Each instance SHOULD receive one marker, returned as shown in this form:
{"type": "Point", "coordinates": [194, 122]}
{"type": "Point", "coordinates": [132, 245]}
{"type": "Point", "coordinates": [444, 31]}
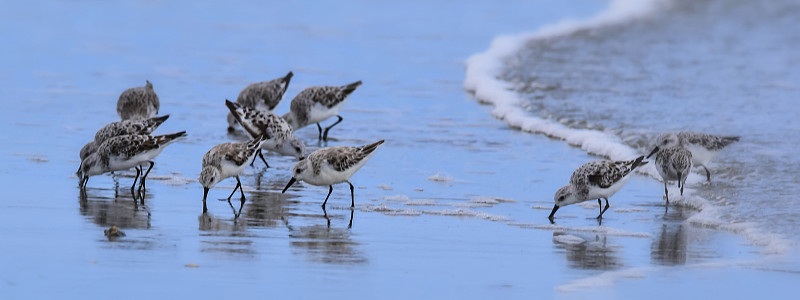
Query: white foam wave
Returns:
{"type": "Point", "coordinates": [483, 69]}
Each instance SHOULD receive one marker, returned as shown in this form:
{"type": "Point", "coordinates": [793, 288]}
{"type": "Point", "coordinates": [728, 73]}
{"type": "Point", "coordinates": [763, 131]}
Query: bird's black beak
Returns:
{"type": "Point", "coordinates": [291, 181]}
{"type": "Point", "coordinates": [552, 213]}
{"type": "Point", "coordinates": [653, 152]}
{"type": "Point", "coordinates": [205, 194]}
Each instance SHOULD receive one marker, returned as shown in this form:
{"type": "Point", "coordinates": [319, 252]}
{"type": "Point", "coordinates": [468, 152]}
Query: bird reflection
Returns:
{"type": "Point", "coordinates": [594, 253]}
{"type": "Point", "coordinates": [670, 247]}
{"type": "Point", "coordinates": [265, 209]}
{"type": "Point", "coordinates": [326, 244]}
{"type": "Point", "coordinates": [122, 211]}
{"type": "Point", "coordinates": [228, 236]}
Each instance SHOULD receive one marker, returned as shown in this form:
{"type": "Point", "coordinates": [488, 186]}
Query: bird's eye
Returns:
{"type": "Point", "coordinates": [561, 198]}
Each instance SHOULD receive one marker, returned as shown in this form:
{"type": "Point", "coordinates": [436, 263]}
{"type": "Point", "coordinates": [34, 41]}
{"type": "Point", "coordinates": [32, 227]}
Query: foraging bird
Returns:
{"type": "Point", "coordinates": [595, 180]}
{"type": "Point", "coordinates": [139, 126]}
{"type": "Point", "coordinates": [228, 160]}
{"type": "Point", "coordinates": [673, 164]}
{"type": "Point", "coordinates": [138, 103]}
{"type": "Point", "coordinates": [125, 152]}
{"type": "Point", "coordinates": [281, 138]}
{"type": "Point", "coordinates": [264, 95]}
{"type": "Point", "coordinates": [332, 165]}
{"type": "Point", "coordinates": [704, 147]}
{"type": "Point", "coordinates": [318, 103]}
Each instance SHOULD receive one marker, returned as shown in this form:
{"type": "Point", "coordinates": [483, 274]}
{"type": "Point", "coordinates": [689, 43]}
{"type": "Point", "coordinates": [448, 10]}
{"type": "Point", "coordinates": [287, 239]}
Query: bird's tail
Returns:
{"type": "Point", "coordinates": [235, 108]}
{"type": "Point", "coordinates": [157, 121]}
{"type": "Point", "coordinates": [169, 138]}
{"type": "Point", "coordinates": [286, 80]}
{"type": "Point", "coordinates": [638, 162]}
{"type": "Point", "coordinates": [367, 149]}
{"type": "Point", "coordinates": [727, 140]}
{"type": "Point", "coordinates": [350, 88]}
{"type": "Point", "coordinates": [288, 77]}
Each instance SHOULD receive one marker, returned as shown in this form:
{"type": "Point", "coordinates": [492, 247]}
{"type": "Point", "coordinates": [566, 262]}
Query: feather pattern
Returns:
{"type": "Point", "coordinates": [138, 103]}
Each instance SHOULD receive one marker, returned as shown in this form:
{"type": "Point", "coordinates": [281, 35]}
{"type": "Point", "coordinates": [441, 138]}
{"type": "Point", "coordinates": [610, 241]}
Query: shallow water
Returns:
{"type": "Point", "coordinates": [713, 66]}
{"type": "Point", "coordinates": [479, 231]}
{"type": "Point", "coordinates": [610, 84]}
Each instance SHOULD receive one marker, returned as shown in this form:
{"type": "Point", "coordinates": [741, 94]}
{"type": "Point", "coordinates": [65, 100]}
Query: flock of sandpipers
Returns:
{"type": "Point", "coordinates": [676, 153]}
{"type": "Point", "coordinates": [128, 143]}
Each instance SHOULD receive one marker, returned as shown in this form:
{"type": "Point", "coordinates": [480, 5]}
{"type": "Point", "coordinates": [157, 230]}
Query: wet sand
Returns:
{"type": "Point", "coordinates": [454, 204]}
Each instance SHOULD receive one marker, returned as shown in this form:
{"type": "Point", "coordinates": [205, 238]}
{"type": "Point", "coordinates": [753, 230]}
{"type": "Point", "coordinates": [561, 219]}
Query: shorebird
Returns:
{"type": "Point", "coordinates": [595, 180]}
{"type": "Point", "coordinates": [318, 103]}
{"type": "Point", "coordinates": [138, 103]}
{"type": "Point", "coordinates": [673, 164]}
{"type": "Point", "coordinates": [125, 152]}
{"type": "Point", "coordinates": [281, 138]}
{"type": "Point", "coordinates": [141, 126]}
{"type": "Point", "coordinates": [704, 147]}
{"type": "Point", "coordinates": [228, 160]}
{"type": "Point", "coordinates": [332, 165]}
{"type": "Point", "coordinates": [264, 95]}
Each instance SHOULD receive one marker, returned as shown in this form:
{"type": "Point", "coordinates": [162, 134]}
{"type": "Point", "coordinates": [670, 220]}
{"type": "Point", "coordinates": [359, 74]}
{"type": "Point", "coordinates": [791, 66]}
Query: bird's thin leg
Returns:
{"type": "Point", "coordinates": [238, 184]}
{"type": "Point", "coordinates": [683, 184]}
{"type": "Point", "coordinates": [708, 174]}
{"type": "Point", "coordinates": [241, 188]}
{"type": "Point", "coordinates": [325, 214]}
{"type": "Point", "coordinates": [84, 181]}
{"type": "Point", "coordinates": [606, 208]}
{"type": "Point", "coordinates": [138, 171]}
{"type": "Point", "coordinates": [352, 196]}
{"type": "Point", "coordinates": [666, 192]}
{"type": "Point", "coordinates": [350, 225]}
{"type": "Point", "coordinates": [262, 158]}
{"type": "Point", "coordinates": [142, 184]}
{"type": "Point", "coordinates": [330, 190]}
{"type": "Point", "coordinates": [325, 135]}
{"type": "Point", "coordinates": [320, 131]}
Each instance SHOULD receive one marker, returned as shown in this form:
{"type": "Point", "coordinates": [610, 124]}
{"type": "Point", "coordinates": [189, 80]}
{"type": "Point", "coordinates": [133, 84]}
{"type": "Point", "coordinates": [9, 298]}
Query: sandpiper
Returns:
{"type": "Point", "coordinates": [138, 103]}
{"type": "Point", "coordinates": [596, 180]}
{"type": "Point", "coordinates": [332, 165]}
{"type": "Point", "coordinates": [704, 147]}
{"type": "Point", "coordinates": [281, 138]}
{"type": "Point", "coordinates": [228, 160]}
{"type": "Point", "coordinates": [125, 152]}
{"type": "Point", "coordinates": [673, 163]}
{"type": "Point", "coordinates": [264, 95]}
{"type": "Point", "coordinates": [318, 103]}
{"type": "Point", "coordinates": [140, 126]}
